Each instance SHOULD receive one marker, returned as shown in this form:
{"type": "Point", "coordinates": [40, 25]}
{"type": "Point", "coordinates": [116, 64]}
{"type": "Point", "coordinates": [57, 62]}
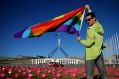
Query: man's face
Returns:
{"type": "Point", "coordinates": [90, 20]}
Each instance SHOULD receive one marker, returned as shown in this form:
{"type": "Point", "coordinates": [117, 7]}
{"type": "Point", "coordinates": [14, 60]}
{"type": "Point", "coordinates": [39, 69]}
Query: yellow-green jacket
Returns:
{"type": "Point", "coordinates": [94, 41]}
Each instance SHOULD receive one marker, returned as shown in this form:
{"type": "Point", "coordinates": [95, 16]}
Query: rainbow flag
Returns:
{"type": "Point", "coordinates": [70, 22]}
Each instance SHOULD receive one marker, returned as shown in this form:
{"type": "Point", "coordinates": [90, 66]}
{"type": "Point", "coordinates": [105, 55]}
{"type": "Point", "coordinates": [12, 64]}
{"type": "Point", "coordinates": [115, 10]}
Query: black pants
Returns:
{"type": "Point", "coordinates": [90, 64]}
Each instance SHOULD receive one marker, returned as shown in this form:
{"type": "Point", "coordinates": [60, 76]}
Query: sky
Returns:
{"type": "Point", "coordinates": [15, 15]}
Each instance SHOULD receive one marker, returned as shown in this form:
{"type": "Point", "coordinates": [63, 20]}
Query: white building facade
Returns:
{"type": "Point", "coordinates": [59, 60]}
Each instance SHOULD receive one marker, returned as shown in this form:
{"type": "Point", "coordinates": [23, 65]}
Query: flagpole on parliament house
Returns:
{"type": "Point", "coordinates": [58, 47]}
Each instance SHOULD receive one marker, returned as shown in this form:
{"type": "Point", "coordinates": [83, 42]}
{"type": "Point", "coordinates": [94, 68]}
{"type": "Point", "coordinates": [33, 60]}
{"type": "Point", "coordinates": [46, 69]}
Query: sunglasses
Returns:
{"type": "Point", "coordinates": [88, 19]}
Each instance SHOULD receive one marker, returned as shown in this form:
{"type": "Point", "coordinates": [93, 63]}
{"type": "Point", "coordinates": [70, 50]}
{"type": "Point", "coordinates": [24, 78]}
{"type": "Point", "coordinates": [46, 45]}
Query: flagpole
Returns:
{"type": "Point", "coordinates": [82, 21]}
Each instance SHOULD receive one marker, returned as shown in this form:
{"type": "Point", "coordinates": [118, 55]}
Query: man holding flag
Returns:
{"type": "Point", "coordinates": [94, 46]}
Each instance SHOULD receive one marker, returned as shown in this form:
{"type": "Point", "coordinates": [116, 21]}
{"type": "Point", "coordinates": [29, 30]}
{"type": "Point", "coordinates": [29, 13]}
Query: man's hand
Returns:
{"type": "Point", "coordinates": [78, 38]}
{"type": "Point", "coordinates": [87, 7]}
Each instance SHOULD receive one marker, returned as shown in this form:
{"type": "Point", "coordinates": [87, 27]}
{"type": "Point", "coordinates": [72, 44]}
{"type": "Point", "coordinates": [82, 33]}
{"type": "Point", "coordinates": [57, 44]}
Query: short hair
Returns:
{"type": "Point", "coordinates": [91, 14]}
